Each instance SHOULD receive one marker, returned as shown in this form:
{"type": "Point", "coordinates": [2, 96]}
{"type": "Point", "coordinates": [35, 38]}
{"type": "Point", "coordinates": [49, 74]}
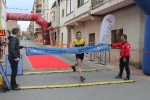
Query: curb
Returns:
{"type": "Point", "coordinates": [75, 85]}
{"type": "Point", "coordinates": [60, 71]}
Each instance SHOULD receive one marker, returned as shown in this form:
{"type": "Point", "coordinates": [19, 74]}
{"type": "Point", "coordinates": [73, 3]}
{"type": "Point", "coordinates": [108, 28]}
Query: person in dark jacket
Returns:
{"type": "Point", "coordinates": [124, 46]}
{"type": "Point", "coordinates": [14, 56]}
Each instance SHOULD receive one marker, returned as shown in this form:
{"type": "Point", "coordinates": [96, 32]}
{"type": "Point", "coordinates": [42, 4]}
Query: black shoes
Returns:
{"type": "Point", "coordinates": [127, 78]}
{"type": "Point", "coordinates": [73, 68]}
{"type": "Point", "coordinates": [15, 88]}
{"type": "Point", "coordinates": [17, 85]}
{"type": "Point", "coordinates": [82, 79]}
{"type": "Point", "coordinates": [3, 90]}
{"type": "Point", "coordinates": [118, 77]}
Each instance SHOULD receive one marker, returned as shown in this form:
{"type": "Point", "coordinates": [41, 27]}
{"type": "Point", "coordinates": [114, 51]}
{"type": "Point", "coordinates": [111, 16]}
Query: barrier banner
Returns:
{"type": "Point", "coordinates": [76, 50]}
{"type": "Point", "coordinates": [8, 67]}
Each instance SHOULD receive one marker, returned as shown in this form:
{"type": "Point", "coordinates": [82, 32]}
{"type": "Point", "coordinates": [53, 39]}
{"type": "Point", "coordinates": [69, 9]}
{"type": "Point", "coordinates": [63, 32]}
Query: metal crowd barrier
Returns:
{"type": "Point", "coordinates": [99, 57]}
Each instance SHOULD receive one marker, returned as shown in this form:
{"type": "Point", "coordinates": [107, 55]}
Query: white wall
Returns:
{"type": "Point", "coordinates": [49, 5]}
{"type": "Point", "coordinates": [56, 17]}
{"type": "Point", "coordinates": [62, 6]}
{"type": "Point", "coordinates": [131, 21]}
{"type": "Point", "coordinates": [78, 10]}
{"type": "Point", "coordinates": [89, 27]}
{"type": "Point", "coordinates": [63, 28]}
{"type": "Point", "coordinates": [64, 31]}
{"type": "Point", "coordinates": [46, 6]}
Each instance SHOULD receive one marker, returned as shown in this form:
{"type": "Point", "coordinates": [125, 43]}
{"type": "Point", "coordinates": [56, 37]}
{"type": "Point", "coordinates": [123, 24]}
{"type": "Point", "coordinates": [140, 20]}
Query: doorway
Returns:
{"type": "Point", "coordinates": [69, 35]}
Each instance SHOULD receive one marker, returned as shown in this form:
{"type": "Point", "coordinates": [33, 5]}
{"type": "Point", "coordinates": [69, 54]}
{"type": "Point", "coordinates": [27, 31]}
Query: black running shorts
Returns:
{"type": "Point", "coordinates": [80, 56]}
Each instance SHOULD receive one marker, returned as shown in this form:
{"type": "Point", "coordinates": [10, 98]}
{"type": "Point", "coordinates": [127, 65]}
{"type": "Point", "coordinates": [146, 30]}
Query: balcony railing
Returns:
{"type": "Point", "coordinates": [38, 29]}
{"type": "Point", "coordinates": [96, 2]}
{"type": "Point", "coordinates": [38, 11]}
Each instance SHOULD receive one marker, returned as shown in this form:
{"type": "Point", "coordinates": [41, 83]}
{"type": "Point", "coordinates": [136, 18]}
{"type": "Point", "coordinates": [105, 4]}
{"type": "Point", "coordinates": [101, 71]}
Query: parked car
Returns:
{"type": "Point", "coordinates": [28, 39]}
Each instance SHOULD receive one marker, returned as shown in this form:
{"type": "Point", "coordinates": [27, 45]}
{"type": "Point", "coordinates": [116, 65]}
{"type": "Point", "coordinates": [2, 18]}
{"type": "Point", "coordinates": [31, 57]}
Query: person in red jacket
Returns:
{"type": "Point", "coordinates": [124, 46]}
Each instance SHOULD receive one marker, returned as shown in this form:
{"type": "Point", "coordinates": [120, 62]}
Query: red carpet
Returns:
{"type": "Point", "coordinates": [47, 62]}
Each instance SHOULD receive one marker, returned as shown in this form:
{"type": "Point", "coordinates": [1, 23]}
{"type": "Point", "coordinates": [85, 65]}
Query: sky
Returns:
{"type": "Point", "coordinates": [21, 6]}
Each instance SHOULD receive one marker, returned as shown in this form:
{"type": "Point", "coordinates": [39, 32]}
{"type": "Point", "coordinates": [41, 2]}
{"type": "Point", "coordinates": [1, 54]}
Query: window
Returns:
{"type": "Point", "coordinates": [62, 37]}
{"type": "Point", "coordinates": [70, 6]}
{"type": "Point", "coordinates": [116, 35]}
{"type": "Point", "coordinates": [63, 13]}
{"type": "Point", "coordinates": [81, 2]}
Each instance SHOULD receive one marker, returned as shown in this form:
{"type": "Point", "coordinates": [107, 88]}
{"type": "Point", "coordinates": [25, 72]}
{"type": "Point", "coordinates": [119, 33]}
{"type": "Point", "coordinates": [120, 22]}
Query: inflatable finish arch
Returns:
{"type": "Point", "coordinates": [32, 17]}
{"type": "Point", "coordinates": [145, 6]}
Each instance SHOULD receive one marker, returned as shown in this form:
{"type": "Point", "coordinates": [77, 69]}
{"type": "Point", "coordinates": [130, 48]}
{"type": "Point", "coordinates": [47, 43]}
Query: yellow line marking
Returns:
{"type": "Point", "coordinates": [57, 71]}
{"type": "Point", "coordinates": [76, 85]}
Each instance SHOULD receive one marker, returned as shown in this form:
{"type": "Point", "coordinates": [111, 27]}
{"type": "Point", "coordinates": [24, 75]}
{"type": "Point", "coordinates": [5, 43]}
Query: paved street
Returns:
{"type": "Point", "coordinates": [139, 90]}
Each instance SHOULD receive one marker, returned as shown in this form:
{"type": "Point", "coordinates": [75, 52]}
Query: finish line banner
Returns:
{"type": "Point", "coordinates": [76, 50]}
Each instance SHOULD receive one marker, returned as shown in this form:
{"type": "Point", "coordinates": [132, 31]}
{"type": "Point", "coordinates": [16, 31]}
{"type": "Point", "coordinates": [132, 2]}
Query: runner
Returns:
{"type": "Point", "coordinates": [79, 42]}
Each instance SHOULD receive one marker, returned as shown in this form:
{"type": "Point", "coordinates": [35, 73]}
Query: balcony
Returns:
{"type": "Point", "coordinates": [38, 11]}
{"type": "Point", "coordinates": [96, 3]}
{"type": "Point", "coordinates": [101, 7]}
{"type": "Point", "coordinates": [38, 29]}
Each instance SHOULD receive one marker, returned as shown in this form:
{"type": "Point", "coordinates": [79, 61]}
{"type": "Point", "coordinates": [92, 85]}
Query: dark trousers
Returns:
{"type": "Point", "coordinates": [14, 69]}
{"type": "Point", "coordinates": [126, 65]}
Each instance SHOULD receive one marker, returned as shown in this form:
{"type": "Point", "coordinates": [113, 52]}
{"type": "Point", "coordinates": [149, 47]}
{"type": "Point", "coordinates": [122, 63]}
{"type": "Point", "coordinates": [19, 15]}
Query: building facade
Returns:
{"type": "Point", "coordinates": [31, 30]}
{"type": "Point", "coordinates": [42, 8]}
{"type": "Point", "coordinates": [12, 24]}
{"type": "Point", "coordinates": [45, 9]}
{"type": "Point", "coordinates": [55, 22]}
{"type": "Point", "coordinates": [87, 15]}
{"type": "Point", "coordinates": [37, 8]}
